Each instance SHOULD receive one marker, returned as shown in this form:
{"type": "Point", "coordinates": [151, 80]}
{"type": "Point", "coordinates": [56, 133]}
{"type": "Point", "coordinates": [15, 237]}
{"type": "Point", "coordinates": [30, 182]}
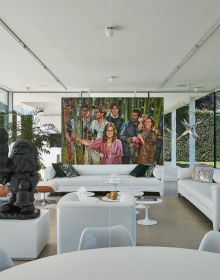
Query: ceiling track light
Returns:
{"type": "Point", "coordinates": [15, 36]}
{"type": "Point", "coordinates": [109, 31]}
{"type": "Point", "coordinates": [194, 49]}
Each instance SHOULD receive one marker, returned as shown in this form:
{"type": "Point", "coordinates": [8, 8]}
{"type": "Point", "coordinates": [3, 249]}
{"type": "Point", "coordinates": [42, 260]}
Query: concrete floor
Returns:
{"type": "Point", "coordinates": [180, 224]}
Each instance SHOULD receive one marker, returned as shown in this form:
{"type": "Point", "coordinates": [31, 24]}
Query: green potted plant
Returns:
{"type": "Point", "coordinates": [28, 127]}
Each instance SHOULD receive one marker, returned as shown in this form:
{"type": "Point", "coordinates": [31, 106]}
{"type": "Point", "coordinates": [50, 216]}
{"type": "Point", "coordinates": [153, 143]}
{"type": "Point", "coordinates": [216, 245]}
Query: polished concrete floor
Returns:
{"type": "Point", "coordinates": [180, 224]}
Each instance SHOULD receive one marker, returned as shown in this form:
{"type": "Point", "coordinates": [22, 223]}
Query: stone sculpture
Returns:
{"type": "Point", "coordinates": [19, 171]}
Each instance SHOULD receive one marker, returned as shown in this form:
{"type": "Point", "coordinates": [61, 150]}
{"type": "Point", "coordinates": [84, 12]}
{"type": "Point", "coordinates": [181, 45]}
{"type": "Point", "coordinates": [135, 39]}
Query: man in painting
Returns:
{"type": "Point", "coordinates": [96, 128]}
{"type": "Point", "coordinates": [115, 118]}
{"type": "Point", "coordinates": [159, 142]}
{"type": "Point", "coordinates": [69, 127]}
{"type": "Point", "coordinates": [86, 120]}
{"type": "Point", "coordinates": [86, 123]}
{"type": "Point", "coordinates": [128, 136]}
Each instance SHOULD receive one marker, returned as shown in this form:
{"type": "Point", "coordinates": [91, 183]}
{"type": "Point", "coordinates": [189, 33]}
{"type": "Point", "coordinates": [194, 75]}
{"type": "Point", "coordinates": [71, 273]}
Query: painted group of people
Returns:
{"type": "Point", "coordinates": [112, 140]}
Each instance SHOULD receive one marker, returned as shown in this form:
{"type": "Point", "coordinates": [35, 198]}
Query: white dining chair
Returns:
{"type": "Point", "coordinates": [5, 261]}
{"type": "Point", "coordinates": [211, 242]}
{"type": "Point", "coordinates": [104, 237]}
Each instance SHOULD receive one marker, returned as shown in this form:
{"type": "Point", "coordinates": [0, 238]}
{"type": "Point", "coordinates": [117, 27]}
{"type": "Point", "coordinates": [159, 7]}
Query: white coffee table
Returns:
{"type": "Point", "coordinates": [85, 194]}
{"type": "Point", "coordinates": [145, 204]}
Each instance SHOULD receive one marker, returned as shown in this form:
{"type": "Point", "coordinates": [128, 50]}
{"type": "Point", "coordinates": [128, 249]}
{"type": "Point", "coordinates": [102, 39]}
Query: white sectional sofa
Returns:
{"type": "Point", "coordinates": [205, 196]}
{"type": "Point", "coordinates": [94, 178]}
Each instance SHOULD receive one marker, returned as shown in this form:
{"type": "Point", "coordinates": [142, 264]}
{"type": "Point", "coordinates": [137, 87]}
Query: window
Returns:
{"type": "Point", "coordinates": [205, 129]}
{"type": "Point", "coordinates": [217, 129]}
{"type": "Point", "coordinates": [3, 108]}
{"type": "Point", "coordinates": [182, 141]}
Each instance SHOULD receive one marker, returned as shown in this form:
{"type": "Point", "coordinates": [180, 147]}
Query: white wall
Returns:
{"type": "Point", "coordinates": [56, 120]}
{"type": "Point", "coordinates": [48, 159]}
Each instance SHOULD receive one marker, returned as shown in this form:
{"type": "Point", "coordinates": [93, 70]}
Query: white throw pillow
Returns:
{"type": "Point", "coordinates": [201, 168]}
{"type": "Point", "coordinates": [216, 175]}
{"type": "Point", "coordinates": [49, 173]}
{"type": "Point", "coordinates": [185, 173]}
{"type": "Point", "coordinates": [206, 176]}
{"type": "Point", "coordinates": [158, 172]}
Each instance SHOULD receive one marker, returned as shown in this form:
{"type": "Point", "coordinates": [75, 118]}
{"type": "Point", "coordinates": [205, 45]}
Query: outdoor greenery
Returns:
{"type": "Point", "coordinates": [204, 129]}
{"type": "Point", "coordinates": [28, 127]}
{"type": "Point", "coordinates": [167, 138]}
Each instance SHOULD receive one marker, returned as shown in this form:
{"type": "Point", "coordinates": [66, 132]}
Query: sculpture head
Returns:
{"type": "Point", "coordinates": [24, 157]}
{"type": "Point", "coordinates": [4, 168]}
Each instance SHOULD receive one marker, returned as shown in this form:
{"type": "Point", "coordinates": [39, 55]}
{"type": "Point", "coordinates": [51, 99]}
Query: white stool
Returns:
{"type": "Point", "coordinates": [145, 204]}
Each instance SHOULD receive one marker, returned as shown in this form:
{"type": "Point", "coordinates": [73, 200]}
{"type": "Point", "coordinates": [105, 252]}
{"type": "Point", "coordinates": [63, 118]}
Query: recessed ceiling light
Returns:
{"type": "Point", "coordinates": [109, 31]}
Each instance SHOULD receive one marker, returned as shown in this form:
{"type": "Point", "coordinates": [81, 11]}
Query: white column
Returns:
{"type": "Point", "coordinates": [10, 105]}
{"type": "Point", "coordinates": [173, 127]}
{"type": "Point", "coordinates": [192, 142]}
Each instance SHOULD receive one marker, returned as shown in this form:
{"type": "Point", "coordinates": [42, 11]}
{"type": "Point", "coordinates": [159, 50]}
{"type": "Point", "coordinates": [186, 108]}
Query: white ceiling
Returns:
{"type": "Point", "coordinates": [151, 38]}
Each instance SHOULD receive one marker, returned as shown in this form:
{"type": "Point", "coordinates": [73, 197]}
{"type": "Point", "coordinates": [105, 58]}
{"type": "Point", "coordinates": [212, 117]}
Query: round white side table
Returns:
{"type": "Point", "coordinates": [145, 204]}
{"type": "Point", "coordinates": [138, 194]}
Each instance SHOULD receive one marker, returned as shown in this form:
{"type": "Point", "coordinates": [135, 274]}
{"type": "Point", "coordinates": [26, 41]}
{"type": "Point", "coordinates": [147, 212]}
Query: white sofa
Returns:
{"type": "Point", "coordinates": [94, 178]}
{"type": "Point", "coordinates": [205, 196]}
{"type": "Point", "coordinates": [74, 215]}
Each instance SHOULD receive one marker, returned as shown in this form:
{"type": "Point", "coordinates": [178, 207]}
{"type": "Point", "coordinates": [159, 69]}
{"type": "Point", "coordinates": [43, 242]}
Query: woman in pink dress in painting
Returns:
{"type": "Point", "coordinates": [109, 147]}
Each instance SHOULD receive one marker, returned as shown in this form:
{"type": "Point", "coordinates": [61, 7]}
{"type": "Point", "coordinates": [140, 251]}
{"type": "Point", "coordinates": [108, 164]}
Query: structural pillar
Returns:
{"type": "Point", "coordinates": [10, 106]}
{"type": "Point", "coordinates": [192, 141]}
{"type": "Point", "coordinates": [173, 127]}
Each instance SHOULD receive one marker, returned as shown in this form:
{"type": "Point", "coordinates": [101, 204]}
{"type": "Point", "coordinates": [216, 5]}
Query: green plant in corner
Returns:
{"type": "Point", "coordinates": [28, 127]}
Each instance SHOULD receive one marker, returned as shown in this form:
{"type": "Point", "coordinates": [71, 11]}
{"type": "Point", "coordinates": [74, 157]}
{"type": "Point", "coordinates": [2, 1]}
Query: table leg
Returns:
{"type": "Point", "coordinates": [146, 221]}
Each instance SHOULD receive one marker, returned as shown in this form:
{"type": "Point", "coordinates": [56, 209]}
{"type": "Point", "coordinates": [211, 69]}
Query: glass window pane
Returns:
{"type": "Point", "coordinates": [217, 130]}
{"type": "Point", "coordinates": [182, 140]}
{"type": "Point", "coordinates": [205, 129]}
{"type": "Point", "coordinates": [3, 108]}
{"type": "Point", "coordinates": [167, 137]}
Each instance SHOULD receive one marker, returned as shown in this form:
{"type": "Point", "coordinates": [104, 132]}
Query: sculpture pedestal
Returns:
{"type": "Point", "coordinates": [25, 239]}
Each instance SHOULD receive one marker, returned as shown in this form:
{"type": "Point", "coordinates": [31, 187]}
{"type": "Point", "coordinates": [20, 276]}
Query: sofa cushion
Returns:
{"type": "Point", "coordinates": [206, 176]}
{"type": "Point", "coordinates": [49, 173]}
{"type": "Point", "coordinates": [105, 169]}
{"type": "Point", "coordinates": [70, 171]}
{"type": "Point", "coordinates": [157, 172]}
{"type": "Point", "coordinates": [202, 192]}
{"type": "Point", "coordinates": [139, 170]}
{"type": "Point", "coordinates": [200, 168]}
{"type": "Point", "coordinates": [138, 181]}
{"type": "Point", "coordinates": [216, 175]}
{"type": "Point", "coordinates": [185, 173]}
{"type": "Point", "coordinates": [94, 180]}
{"type": "Point", "coordinates": [58, 167]}
{"type": "Point", "coordinates": [149, 172]}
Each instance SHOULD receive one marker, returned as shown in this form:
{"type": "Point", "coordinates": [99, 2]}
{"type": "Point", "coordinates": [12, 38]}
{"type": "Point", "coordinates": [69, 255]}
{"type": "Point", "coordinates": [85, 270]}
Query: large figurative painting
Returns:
{"type": "Point", "coordinates": [112, 130]}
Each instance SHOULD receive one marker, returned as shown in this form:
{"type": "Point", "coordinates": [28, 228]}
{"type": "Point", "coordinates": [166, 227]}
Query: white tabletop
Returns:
{"type": "Point", "coordinates": [85, 194]}
{"type": "Point", "coordinates": [129, 263]}
{"type": "Point", "coordinates": [148, 202]}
